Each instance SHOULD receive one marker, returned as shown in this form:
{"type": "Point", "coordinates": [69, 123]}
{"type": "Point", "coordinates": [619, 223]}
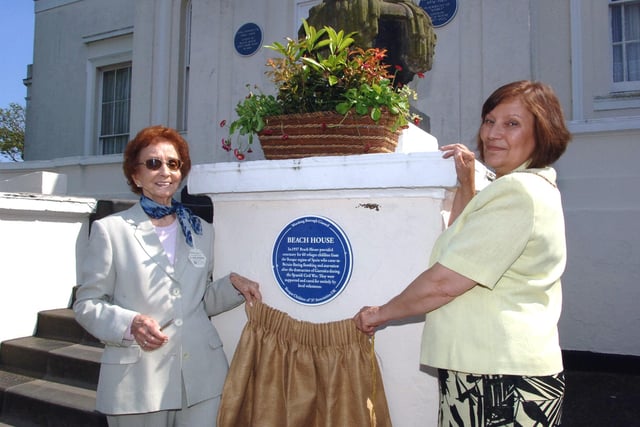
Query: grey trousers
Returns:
{"type": "Point", "coordinates": [203, 414]}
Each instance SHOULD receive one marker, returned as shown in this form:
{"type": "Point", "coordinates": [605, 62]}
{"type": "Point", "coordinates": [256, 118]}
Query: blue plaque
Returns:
{"type": "Point", "coordinates": [248, 39]}
{"type": "Point", "coordinates": [312, 260]}
{"type": "Point", "coordinates": [440, 11]}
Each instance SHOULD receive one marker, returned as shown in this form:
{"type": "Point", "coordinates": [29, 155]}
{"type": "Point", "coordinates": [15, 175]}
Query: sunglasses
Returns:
{"type": "Point", "coordinates": [155, 164]}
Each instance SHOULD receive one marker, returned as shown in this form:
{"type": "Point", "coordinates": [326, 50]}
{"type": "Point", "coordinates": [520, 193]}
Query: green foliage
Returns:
{"type": "Point", "coordinates": [309, 73]}
{"type": "Point", "coordinates": [12, 131]}
{"type": "Point", "coordinates": [323, 71]}
{"type": "Point", "coordinates": [374, 98]}
{"type": "Point", "coordinates": [251, 113]}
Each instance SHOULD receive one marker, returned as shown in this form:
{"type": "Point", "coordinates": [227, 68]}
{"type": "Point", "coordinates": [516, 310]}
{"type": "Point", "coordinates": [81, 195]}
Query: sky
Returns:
{"type": "Point", "coordinates": [16, 33]}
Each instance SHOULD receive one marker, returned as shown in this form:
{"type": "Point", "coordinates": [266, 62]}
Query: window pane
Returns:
{"type": "Point", "coordinates": [122, 84]}
{"type": "Point", "coordinates": [116, 105]}
{"type": "Point", "coordinates": [632, 22]}
{"type": "Point", "coordinates": [108, 83]}
{"type": "Point", "coordinates": [106, 123]}
{"type": "Point", "coordinates": [616, 23]}
{"type": "Point", "coordinates": [618, 69]}
{"type": "Point", "coordinates": [123, 141]}
{"type": "Point", "coordinates": [633, 61]}
{"type": "Point", "coordinates": [108, 146]}
{"type": "Point", "coordinates": [121, 117]}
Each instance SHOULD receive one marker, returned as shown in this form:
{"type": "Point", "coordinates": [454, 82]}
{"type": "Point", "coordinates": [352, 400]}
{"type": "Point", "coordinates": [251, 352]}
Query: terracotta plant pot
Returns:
{"type": "Point", "coordinates": [326, 133]}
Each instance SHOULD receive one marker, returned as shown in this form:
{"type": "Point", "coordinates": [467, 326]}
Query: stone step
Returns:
{"type": "Point", "coordinates": [60, 324]}
{"type": "Point", "coordinates": [36, 402]}
{"type": "Point", "coordinates": [57, 360]}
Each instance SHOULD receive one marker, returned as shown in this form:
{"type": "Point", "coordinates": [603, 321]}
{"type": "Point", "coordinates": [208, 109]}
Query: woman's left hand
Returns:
{"type": "Point", "coordinates": [368, 320]}
{"type": "Point", "coordinates": [248, 288]}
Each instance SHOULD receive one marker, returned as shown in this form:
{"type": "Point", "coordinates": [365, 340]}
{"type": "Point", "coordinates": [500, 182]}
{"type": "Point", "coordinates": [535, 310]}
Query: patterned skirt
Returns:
{"type": "Point", "coordinates": [470, 400]}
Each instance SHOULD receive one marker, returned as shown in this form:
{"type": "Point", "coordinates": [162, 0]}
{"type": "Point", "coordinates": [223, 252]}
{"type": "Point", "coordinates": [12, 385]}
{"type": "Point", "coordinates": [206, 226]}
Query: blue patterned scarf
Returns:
{"type": "Point", "coordinates": [185, 216]}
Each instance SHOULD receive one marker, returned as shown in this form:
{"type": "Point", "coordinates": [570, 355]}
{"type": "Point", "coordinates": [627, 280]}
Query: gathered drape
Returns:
{"type": "Point", "coordinates": [291, 373]}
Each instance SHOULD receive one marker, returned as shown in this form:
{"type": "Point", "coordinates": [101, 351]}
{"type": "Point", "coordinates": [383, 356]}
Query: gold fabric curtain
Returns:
{"type": "Point", "coordinates": [291, 373]}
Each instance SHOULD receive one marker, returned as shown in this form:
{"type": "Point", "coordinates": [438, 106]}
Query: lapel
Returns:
{"type": "Point", "coordinates": [182, 253]}
{"type": "Point", "coordinates": [146, 236]}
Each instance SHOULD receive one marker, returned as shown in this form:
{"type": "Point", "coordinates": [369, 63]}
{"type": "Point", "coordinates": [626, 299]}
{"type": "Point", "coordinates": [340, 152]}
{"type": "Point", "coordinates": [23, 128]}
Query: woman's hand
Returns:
{"type": "Point", "coordinates": [146, 332]}
{"type": "Point", "coordinates": [464, 160]}
{"type": "Point", "coordinates": [248, 288]}
{"type": "Point", "coordinates": [368, 319]}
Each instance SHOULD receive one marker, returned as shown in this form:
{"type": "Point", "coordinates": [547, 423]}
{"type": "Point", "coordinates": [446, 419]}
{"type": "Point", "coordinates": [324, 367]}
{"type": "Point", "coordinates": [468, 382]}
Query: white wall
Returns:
{"type": "Point", "coordinates": [95, 177]}
{"type": "Point", "coordinates": [41, 237]}
{"type": "Point", "coordinates": [599, 184]}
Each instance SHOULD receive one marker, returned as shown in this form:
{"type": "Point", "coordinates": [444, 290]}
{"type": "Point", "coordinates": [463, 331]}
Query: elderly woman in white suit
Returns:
{"type": "Point", "coordinates": [147, 293]}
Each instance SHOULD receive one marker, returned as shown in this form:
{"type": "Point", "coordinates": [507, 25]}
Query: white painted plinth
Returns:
{"type": "Point", "coordinates": [43, 238]}
{"type": "Point", "coordinates": [391, 208]}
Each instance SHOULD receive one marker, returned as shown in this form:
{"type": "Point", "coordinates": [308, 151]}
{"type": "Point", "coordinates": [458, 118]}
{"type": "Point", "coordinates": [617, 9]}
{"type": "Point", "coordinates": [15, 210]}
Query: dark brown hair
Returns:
{"type": "Point", "coordinates": [550, 131]}
{"type": "Point", "coordinates": [149, 136]}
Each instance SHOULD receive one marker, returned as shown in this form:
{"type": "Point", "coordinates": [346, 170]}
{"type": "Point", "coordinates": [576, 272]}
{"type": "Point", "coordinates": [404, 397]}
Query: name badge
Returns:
{"type": "Point", "coordinates": [197, 258]}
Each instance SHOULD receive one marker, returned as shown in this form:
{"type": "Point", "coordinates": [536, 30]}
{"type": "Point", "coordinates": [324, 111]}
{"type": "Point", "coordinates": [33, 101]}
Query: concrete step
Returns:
{"type": "Point", "coordinates": [37, 402]}
{"type": "Point", "coordinates": [60, 324]}
{"type": "Point", "coordinates": [56, 360]}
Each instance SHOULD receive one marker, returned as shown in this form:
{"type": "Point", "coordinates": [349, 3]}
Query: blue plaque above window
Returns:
{"type": "Point", "coordinates": [312, 260]}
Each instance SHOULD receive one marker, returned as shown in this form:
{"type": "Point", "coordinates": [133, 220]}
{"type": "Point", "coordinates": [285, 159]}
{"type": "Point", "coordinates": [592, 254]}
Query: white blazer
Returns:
{"type": "Point", "coordinates": [126, 272]}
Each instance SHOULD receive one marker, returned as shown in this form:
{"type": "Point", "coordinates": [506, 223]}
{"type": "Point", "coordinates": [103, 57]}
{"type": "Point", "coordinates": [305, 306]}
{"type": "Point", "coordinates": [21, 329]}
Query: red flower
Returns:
{"type": "Point", "coordinates": [398, 67]}
{"type": "Point", "coordinates": [421, 75]}
{"type": "Point", "coordinates": [367, 147]}
{"type": "Point", "coordinates": [226, 144]}
{"type": "Point", "coordinates": [267, 131]}
{"type": "Point", "coordinates": [416, 121]}
{"type": "Point", "coordinates": [222, 123]}
{"type": "Point", "coordinates": [285, 136]}
{"type": "Point", "coordinates": [238, 154]}
{"type": "Point", "coordinates": [324, 126]}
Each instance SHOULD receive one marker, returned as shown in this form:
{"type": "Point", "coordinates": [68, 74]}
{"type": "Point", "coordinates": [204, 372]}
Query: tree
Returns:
{"type": "Point", "coordinates": [12, 131]}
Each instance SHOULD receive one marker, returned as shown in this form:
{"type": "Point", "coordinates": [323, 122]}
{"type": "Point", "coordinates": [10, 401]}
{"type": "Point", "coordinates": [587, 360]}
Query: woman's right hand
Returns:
{"type": "Point", "coordinates": [464, 160]}
{"type": "Point", "coordinates": [146, 332]}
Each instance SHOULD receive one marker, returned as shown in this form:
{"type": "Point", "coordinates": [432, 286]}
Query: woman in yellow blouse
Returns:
{"type": "Point", "coordinates": [492, 293]}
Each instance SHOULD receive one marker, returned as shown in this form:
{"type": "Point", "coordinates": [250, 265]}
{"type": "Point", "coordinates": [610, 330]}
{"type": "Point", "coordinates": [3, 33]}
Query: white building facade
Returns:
{"type": "Point", "coordinates": [104, 70]}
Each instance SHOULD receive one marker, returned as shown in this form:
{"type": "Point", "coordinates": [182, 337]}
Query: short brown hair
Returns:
{"type": "Point", "coordinates": [149, 136]}
{"type": "Point", "coordinates": [550, 131]}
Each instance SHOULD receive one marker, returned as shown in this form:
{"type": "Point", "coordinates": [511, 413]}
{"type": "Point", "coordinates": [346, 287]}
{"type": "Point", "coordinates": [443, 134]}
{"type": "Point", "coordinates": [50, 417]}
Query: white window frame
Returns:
{"type": "Point", "coordinates": [626, 85]}
{"type": "Point", "coordinates": [104, 50]}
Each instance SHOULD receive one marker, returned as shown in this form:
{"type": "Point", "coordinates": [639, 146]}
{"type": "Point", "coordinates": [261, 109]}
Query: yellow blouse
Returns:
{"type": "Point", "coordinates": [510, 239]}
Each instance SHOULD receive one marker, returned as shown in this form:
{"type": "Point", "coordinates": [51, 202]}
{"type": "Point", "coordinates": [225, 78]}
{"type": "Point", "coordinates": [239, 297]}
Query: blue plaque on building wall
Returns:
{"type": "Point", "coordinates": [312, 260]}
{"type": "Point", "coordinates": [248, 39]}
{"type": "Point", "coordinates": [440, 11]}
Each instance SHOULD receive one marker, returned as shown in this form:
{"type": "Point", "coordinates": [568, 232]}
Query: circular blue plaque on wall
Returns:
{"type": "Point", "coordinates": [440, 11]}
{"type": "Point", "coordinates": [312, 260]}
{"type": "Point", "coordinates": [248, 39]}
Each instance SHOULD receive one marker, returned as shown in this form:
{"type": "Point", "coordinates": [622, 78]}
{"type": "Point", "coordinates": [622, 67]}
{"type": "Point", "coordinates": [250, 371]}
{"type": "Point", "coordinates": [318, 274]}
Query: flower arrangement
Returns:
{"type": "Point", "coordinates": [322, 71]}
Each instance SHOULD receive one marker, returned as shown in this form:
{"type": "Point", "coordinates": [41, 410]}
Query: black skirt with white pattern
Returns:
{"type": "Point", "coordinates": [470, 400]}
